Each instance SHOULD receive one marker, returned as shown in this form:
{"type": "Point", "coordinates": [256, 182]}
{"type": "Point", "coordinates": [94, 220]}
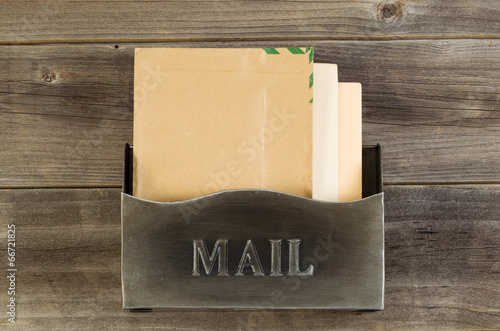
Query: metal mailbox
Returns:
{"type": "Point", "coordinates": [255, 249]}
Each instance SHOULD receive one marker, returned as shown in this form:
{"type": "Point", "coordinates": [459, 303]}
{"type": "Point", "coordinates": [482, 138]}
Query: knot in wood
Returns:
{"type": "Point", "coordinates": [49, 77]}
{"type": "Point", "coordinates": [388, 11]}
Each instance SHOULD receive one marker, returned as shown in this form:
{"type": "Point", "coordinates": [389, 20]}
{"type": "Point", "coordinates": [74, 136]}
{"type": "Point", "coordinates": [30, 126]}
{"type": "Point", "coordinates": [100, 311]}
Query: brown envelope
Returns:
{"type": "Point", "coordinates": [207, 120]}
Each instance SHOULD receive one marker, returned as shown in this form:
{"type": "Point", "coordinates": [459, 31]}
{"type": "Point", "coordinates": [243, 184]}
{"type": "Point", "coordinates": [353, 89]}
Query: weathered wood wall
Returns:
{"type": "Point", "coordinates": [431, 88]}
{"type": "Point", "coordinates": [65, 21]}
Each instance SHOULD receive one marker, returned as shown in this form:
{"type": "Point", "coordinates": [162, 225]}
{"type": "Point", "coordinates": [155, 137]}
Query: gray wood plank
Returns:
{"type": "Point", "coordinates": [433, 106]}
{"type": "Point", "coordinates": [141, 21]}
{"type": "Point", "coordinates": [66, 114]}
{"type": "Point", "coordinates": [66, 111]}
{"type": "Point", "coordinates": [442, 265]}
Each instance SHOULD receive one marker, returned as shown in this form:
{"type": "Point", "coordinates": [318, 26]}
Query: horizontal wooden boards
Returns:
{"type": "Point", "coordinates": [66, 114]}
{"type": "Point", "coordinates": [442, 265]}
{"type": "Point", "coordinates": [146, 21]}
{"type": "Point", "coordinates": [67, 111]}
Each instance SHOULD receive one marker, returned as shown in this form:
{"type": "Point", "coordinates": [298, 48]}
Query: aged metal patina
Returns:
{"type": "Point", "coordinates": [255, 249]}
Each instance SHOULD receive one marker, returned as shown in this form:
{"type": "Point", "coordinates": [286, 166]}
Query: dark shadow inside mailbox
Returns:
{"type": "Point", "coordinates": [255, 249]}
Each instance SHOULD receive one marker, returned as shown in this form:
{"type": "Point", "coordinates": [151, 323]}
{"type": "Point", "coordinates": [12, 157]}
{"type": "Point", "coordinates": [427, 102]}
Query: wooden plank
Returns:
{"type": "Point", "coordinates": [432, 105]}
{"type": "Point", "coordinates": [131, 21]}
{"type": "Point", "coordinates": [66, 114]}
{"type": "Point", "coordinates": [66, 111]}
{"type": "Point", "coordinates": [442, 265]}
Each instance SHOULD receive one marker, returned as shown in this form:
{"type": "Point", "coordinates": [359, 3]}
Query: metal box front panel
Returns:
{"type": "Point", "coordinates": [339, 249]}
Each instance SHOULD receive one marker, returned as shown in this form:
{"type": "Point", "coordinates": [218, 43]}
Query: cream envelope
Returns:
{"type": "Point", "coordinates": [326, 133]}
{"type": "Point", "coordinates": [337, 138]}
{"type": "Point", "coordinates": [207, 120]}
{"type": "Point", "coordinates": [350, 142]}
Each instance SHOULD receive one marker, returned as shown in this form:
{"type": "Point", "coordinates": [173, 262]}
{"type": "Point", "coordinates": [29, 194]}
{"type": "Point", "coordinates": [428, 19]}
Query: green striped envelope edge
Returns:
{"type": "Point", "coordinates": [297, 50]}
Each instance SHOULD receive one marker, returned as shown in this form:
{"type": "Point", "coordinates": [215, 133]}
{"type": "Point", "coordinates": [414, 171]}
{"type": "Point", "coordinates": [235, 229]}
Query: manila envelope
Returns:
{"type": "Point", "coordinates": [207, 120]}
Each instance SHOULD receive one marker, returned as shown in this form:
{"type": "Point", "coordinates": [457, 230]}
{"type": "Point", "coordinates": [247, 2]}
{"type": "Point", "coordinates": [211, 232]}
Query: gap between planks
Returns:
{"type": "Point", "coordinates": [91, 42]}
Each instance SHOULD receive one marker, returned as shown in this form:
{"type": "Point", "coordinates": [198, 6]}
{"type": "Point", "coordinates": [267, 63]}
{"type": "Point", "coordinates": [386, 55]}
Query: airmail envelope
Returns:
{"type": "Point", "coordinates": [207, 120]}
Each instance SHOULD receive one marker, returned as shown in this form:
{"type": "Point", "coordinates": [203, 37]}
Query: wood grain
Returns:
{"type": "Point", "coordinates": [66, 115]}
{"type": "Point", "coordinates": [161, 21]}
{"type": "Point", "coordinates": [434, 106]}
{"type": "Point", "coordinates": [432, 103]}
{"type": "Point", "coordinates": [442, 265]}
